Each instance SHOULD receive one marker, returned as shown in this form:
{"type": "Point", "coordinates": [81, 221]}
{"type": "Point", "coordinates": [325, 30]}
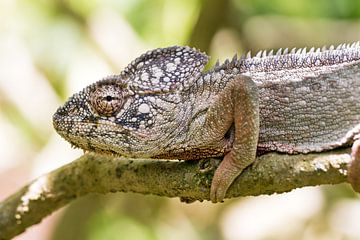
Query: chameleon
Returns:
{"type": "Point", "coordinates": [164, 105]}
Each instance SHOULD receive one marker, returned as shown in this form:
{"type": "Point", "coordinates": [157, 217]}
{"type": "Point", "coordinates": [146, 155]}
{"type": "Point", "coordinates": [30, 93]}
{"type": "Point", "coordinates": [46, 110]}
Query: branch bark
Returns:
{"type": "Point", "coordinates": [190, 180]}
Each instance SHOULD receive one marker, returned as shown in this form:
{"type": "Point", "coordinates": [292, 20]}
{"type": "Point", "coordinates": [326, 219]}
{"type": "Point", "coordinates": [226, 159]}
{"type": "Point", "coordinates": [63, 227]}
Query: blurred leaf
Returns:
{"type": "Point", "coordinates": [34, 134]}
{"type": "Point", "coordinates": [105, 225]}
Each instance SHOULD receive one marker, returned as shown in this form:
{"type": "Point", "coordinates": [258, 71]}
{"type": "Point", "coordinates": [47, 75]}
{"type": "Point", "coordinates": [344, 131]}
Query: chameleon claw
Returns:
{"type": "Point", "coordinates": [217, 193]}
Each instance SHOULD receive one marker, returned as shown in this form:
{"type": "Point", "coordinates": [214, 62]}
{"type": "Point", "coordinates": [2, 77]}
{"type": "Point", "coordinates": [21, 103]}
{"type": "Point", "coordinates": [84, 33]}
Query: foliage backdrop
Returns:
{"type": "Point", "coordinates": [50, 49]}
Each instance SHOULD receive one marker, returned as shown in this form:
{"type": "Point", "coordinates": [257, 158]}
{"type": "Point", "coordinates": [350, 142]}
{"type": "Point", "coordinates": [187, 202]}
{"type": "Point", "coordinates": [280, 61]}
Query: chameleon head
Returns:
{"type": "Point", "coordinates": [89, 118]}
{"type": "Point", "coordinates": [136, 112]}
{"type": "Point", "coordinates": [108, 117]}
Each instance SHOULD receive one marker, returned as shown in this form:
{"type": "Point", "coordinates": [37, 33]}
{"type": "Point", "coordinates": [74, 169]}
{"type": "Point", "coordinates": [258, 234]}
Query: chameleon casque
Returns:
{"type": "Point", "coordinates": [163, 105]}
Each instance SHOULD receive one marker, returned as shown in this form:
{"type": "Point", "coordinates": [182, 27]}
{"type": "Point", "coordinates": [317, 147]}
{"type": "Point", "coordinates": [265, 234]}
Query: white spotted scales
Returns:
{"type": "Point", "coordinates": [163, 105]}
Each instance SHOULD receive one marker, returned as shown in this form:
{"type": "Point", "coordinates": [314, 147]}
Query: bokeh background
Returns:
{"type": "Point", "coordinates": [50, 49]}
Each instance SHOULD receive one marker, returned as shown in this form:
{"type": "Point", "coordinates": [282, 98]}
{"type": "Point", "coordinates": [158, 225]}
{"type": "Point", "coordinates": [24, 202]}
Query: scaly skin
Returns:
{"type": "Point", "coordinates": [163, 106]}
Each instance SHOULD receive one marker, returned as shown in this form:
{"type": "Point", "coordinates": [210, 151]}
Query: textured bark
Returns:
{"type": "Point", "coordinates": [190, 180]}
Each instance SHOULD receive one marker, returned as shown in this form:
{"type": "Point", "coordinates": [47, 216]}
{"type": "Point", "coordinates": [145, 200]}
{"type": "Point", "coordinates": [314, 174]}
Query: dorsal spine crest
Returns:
{"type": "Point", "coordinates": [265, 61]}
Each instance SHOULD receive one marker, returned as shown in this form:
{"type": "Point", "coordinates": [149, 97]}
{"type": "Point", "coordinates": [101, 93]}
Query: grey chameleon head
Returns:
{"type": "Point", "coordinates": [125, 114]}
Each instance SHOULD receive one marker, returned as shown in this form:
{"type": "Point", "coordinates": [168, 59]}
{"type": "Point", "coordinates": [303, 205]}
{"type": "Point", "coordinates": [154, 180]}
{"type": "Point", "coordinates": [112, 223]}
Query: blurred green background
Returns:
{"type": "Point", "coordinates": [50, 49]}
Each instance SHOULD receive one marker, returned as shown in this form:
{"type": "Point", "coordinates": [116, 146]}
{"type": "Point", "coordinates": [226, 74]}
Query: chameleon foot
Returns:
{"type": "Point", "coordinates": [224, 175]}
{"type": "Point", "coordinates": [354, 168]}
{"type": "Point", "coordinates": [245, 117]}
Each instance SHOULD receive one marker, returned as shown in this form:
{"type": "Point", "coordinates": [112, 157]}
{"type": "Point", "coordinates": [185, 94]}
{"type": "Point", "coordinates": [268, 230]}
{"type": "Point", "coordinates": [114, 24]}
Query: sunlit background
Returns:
{"type": "Point", "coordinates": [50, 49]}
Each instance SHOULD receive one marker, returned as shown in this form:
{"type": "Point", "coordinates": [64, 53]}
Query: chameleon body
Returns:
{"type": "Point", "coordinates": [163, 105]}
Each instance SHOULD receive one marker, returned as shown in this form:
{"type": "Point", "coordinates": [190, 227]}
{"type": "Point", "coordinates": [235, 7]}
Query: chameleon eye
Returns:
{"type": "Point", "coordinates": [107, 100]}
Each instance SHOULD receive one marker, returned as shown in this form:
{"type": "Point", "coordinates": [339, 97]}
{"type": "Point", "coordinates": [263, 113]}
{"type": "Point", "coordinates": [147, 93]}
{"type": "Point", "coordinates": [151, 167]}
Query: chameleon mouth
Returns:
{"type": "Point", "coordinates": [85, 141]}
{"type": "Point", "coordinates": [87, 133]}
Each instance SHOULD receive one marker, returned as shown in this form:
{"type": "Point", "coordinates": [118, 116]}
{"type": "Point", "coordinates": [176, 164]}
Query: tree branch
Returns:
{"type": "Point", "coordinates": [190, 180]}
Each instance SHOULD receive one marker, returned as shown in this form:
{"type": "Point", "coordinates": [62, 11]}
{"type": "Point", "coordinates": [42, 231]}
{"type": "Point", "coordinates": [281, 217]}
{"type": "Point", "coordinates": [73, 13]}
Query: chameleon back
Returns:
{"type": "Point", "coordinates": [310, 108]}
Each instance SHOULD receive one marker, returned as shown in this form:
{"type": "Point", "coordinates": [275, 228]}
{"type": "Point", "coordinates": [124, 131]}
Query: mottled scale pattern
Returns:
{"type": "Point", "coordinates": [309, 101]}
{"type": "Point", "coordinates": [161, 69]}
{"type": "Point", "coordinates": [316, 114]}
{"type": "Point", "coordinates": [157, 106]}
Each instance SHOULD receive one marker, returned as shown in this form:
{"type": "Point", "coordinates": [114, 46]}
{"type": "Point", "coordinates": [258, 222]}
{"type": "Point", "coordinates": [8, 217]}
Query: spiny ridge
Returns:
{"type": "Point", "coordinates": [264, 61]}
